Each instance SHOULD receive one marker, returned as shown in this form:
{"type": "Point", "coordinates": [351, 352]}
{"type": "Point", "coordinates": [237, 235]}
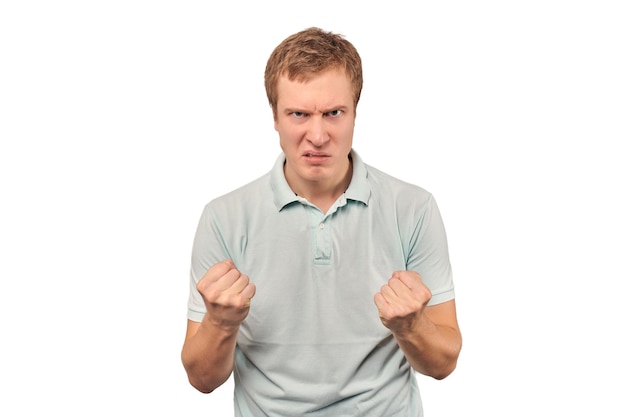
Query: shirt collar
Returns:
{"type": "Point", "coordinates": [358, 190]}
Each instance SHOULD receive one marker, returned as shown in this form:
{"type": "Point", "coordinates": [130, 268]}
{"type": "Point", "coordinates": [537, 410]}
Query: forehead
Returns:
{"type": "Point", "coordinates": [327, 88]}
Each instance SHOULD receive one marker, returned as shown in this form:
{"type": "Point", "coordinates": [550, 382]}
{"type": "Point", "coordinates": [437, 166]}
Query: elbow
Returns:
{"type": "Point", "coordinates": [201, 386]}
{"type": "Point", "coordinates": [204, 380]}
{"type": "Point", "coordinates": [444, 372]}
{"type": "Point", "coordinates": [436, 371]}
{"type": "Point", "coordinates": [204, 383]}
{"type": "Point", "coordinates": [449, 366]}
{"type": "Point", "coordinates": [198, 378]}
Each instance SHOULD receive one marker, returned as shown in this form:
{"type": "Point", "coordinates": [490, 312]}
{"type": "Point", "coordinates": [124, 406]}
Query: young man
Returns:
{"type": "Point", "coordinates": [323, 284]}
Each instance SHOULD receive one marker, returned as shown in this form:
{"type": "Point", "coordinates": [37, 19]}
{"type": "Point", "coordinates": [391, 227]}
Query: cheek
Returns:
{"type": "Point", "coordinates": [288, 140]}
{"type": "Point", "coordinates": [288, 134]}
{"type": "Point", "coordinates": [346, 134]}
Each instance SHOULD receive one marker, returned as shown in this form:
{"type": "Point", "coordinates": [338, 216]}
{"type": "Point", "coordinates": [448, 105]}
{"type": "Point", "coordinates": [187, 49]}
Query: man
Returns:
{"type": "Point", "coordinates": [323, 284]}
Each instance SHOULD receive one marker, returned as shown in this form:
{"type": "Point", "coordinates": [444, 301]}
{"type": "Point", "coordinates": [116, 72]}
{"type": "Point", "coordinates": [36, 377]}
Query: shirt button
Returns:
{"type": "Point", "coordinates": [322, 225]}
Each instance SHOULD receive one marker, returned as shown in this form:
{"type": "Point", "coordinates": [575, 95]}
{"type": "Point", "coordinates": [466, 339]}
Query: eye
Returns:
{"type": "Point", "coordinates": [298, 114]}
{"type": "Point", "coordinates": [335, 113]}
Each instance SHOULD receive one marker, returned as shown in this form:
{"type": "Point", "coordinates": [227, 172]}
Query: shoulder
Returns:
{"type": "Point", "coordinates": [252, 193]}
{"type": "Point", "coordinates": [402, 192]}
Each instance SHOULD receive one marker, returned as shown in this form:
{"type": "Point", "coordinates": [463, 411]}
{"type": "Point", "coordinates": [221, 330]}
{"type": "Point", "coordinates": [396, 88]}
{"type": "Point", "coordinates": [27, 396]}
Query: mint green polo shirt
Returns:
{"type": "Point", "coordinates": [313, 344]}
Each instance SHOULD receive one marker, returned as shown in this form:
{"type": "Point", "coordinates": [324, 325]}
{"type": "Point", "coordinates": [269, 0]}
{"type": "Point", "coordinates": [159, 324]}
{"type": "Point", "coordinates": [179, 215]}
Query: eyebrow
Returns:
{"type": "Point", "coordinates": [300, 110]}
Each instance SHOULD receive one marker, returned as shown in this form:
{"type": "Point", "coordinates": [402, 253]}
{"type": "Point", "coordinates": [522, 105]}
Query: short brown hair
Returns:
{"type": "Point", "coordinates": [311, 52]}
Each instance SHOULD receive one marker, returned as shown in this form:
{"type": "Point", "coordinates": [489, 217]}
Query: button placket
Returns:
{"type": "Point", "coordinates": [320, 237]}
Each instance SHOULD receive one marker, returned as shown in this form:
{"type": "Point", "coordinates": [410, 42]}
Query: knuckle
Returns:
{"type": "Point", "coordinates": [213, 296]}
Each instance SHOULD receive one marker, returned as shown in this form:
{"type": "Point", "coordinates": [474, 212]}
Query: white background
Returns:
{"type": "Point", "coordinates": [119, 120]}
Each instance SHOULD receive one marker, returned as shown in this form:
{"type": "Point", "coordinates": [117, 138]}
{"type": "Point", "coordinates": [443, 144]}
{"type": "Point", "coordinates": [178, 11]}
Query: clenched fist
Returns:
{"type": "Point", "coordinates": [402, 301]}
{"type": "Point", "coordinates": [226, 293]}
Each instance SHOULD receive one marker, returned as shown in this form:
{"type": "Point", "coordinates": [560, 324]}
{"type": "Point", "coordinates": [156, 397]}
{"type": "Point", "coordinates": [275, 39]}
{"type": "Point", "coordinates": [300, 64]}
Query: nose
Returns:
{"type": "Point", "coordinates": [317, 134]}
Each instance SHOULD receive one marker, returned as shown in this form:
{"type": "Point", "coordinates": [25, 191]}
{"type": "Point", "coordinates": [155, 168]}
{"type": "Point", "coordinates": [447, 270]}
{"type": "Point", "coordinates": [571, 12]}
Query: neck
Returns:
{"type": "Point", "coordinates": [324, 194]}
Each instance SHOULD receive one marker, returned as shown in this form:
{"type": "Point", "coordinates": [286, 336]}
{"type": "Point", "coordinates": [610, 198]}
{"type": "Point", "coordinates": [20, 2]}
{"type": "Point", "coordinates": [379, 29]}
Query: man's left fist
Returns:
{"type": "Point", "coordinates": [401, 302]}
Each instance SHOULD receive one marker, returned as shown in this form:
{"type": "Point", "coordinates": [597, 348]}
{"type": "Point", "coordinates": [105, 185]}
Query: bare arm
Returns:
{"type": "Point", "coordinates": [209, 347]}
{"type": "Point", "coordinates": [208, 355]}
{"type": "Point", "coordinates": [433, 347]}
{"type": "Point", "coordinates": [429, 336]}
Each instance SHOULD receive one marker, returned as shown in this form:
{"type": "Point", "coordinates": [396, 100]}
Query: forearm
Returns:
{"type": "Point", "coordinates": [431, 349]}
{"type": "Point", "coordinates": [208, 356]}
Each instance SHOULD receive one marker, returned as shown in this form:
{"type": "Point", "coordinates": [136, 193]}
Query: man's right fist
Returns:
{"type": "Point", "coordinates": [226, 293]}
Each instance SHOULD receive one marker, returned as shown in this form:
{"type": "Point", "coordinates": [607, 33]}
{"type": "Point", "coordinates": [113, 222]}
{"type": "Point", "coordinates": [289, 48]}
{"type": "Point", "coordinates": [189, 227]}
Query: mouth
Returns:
{"type": "Point", "coordinates": [316, 158]}
{"type": "Point", "coordinates": [315, 155]}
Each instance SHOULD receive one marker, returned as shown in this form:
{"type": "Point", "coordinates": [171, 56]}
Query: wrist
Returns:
{"type": "Point", "coordinates": [224, 327]}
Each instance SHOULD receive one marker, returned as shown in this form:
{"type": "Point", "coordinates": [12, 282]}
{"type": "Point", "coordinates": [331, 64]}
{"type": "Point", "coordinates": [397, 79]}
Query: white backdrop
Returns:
{"type": "Point", "coordinates": [119, 120]}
